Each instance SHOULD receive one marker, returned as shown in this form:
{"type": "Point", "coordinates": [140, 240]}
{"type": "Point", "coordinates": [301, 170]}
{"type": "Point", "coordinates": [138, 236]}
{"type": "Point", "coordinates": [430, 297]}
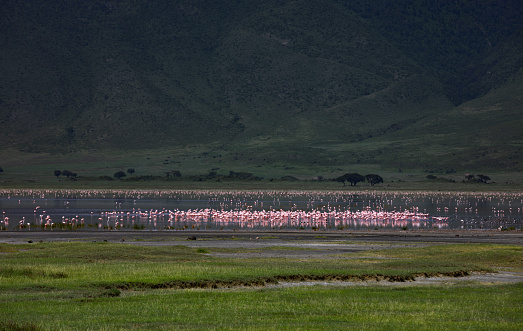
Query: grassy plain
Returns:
{"type": "Point", "coordinates": [100, 285]}
{"type": "Point", "coordinates": [25, 170]}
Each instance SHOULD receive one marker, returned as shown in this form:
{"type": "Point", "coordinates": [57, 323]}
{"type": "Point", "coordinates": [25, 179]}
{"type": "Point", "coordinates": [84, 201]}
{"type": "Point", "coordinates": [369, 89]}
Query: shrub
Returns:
{"type": "Point", "coordinates": [119, 174]}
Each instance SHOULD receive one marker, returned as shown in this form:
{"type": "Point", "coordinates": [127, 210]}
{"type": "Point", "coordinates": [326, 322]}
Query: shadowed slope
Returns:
{"type": "Point", "coordinates": [300, 82]}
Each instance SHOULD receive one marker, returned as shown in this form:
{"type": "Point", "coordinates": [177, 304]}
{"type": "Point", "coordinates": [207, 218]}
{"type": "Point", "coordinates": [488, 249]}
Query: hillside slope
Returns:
{"type": "Point", "coordinates": [305, 82]}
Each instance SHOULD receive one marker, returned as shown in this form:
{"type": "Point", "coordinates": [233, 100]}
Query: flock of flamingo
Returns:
{"type": "Point", "coordinates": [314, 210]}
{"type": "Point", "coordinates": [266, 219]}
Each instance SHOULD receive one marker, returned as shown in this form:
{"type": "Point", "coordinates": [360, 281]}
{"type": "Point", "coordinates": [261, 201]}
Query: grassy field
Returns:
{"type": "Point", "coordinates": [414, 185]}
{"type": "Point", "coordinates": [25, 170]}
{"type": "Point", "coordinates": [99, 285]}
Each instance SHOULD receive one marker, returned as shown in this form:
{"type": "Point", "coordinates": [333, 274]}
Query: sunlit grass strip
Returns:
{"type": "Point", "coordinates": [308, 308]}
{"type": "Point", "coordinates": [480, 255]}
{"type": "Point", "coordinates": [120, 286]}
{"type": "Point", "coordinates": [32, 273]}
{"type": "Point", "coordinates": [106, 265]}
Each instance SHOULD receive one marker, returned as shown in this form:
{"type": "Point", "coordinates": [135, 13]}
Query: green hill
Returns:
{"type": "Point", "coordinates": [332, 84]}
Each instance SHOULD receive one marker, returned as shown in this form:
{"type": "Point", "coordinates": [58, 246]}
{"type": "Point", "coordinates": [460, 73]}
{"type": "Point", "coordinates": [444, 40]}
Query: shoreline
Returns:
{"type": "Point", "coordinates": [270, 237]}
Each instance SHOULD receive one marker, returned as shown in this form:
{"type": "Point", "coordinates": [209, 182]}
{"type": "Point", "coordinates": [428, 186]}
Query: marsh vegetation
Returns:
{"type": "Point", "coordinates": [86, 285]}
{"type": "Point", "coordinates": [138, 268]}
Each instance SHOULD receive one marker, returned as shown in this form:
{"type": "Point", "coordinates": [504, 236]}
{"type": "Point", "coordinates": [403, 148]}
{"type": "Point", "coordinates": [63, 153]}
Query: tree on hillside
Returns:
{"type": "Point", "coordinates": [67, 173]}
{"type": "Point", "coordinates": [352, 178]}
{"type": "Point", "coordinates": [483, 178]}
{"type": "Point", "coordinates": [1, 170]}
{"type": "Point", "coordinates": [57, 173]}
{"type": "Point", "coordinates": [130, 171]}
{"type": "Point", "coordinates": [119, 174]}
{"type": "Point", "coordinates": [373, 179]}
{"type": "Point", "coordinates": [341, 179]}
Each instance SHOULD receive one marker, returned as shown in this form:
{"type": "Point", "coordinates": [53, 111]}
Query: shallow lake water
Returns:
{"type": "Point", "coordinates": [32, 210]}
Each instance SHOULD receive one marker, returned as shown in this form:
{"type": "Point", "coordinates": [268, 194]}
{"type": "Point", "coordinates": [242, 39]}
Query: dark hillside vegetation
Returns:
{"type": "Point", "coordinates": [460, 42]}
{"type": "Point", "coordinates": [409, 84]}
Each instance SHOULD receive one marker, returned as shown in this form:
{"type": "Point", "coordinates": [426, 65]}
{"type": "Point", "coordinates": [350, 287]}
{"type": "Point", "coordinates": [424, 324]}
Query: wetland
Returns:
{"type": "Point", "coordinates": [157, 259]}
{"type": "Point", "coordinates": [34, 210]}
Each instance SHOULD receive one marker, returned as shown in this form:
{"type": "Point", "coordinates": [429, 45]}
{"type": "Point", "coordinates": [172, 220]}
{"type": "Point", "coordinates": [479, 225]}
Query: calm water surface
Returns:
{"type": "Point", "coordinates": [214, 210]}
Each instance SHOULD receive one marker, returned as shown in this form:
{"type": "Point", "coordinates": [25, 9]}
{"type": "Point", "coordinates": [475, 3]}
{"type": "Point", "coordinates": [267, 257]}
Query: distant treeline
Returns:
{"type": "Point", "coordinates": [175, 175]}
{"type": "Point", "coordinates": [469, 178]}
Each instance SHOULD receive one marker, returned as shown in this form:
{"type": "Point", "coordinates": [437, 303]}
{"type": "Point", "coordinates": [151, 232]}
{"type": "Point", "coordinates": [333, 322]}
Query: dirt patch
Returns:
{"type": "Point", "coordinates": [254, 238]}
{"type": "Point", "coordinates": [273, 244]}
{"type": "Point", "coordinates": [450, 278]}
{"type": "Point", "coordinates": [474, 278]}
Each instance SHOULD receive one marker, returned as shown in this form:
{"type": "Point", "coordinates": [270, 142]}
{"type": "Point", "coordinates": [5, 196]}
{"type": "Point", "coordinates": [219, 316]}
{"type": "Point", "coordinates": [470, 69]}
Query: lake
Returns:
{"type": "Point", "coordinates": [99, 210]}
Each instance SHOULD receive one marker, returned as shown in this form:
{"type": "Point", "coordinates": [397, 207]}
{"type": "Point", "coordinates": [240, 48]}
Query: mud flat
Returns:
{"type": "Point", "coordinates": [258, 239]}
{"type": "Point", "coordinates": [478, 278]}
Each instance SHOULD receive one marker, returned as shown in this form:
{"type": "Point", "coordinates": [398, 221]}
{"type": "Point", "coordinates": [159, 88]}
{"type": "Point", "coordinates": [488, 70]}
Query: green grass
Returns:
{"type": "Point", "coordinates": [23, 170]}
{"type": "Point", "coordinates": [80, 285]}
{"type": "Point", "coordinates": [310, 308]}
{"type": "Point", "coordinates": [67, 264]}
{"type": "Point", "coordinates": [34, 170]}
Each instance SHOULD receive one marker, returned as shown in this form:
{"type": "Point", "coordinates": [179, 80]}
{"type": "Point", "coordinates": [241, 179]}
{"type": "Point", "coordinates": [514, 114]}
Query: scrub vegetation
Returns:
{"type": "Point", "coordinates": [96, 285]}
{"type": "Point", "coordinates": [169, 169]}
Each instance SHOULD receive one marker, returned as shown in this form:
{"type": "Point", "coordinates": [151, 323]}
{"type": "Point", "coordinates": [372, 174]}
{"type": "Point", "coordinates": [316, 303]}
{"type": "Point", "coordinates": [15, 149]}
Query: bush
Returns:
{"type": "Point", "coordinates": [373, 179]}
{"type": "Point", "coordinates": [119, 174]}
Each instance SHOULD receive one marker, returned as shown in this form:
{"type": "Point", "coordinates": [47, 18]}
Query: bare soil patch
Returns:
{"type": "Point", "coordinates": [476, 278]}
{"type": "Point", "coordinates": [260, 239]}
